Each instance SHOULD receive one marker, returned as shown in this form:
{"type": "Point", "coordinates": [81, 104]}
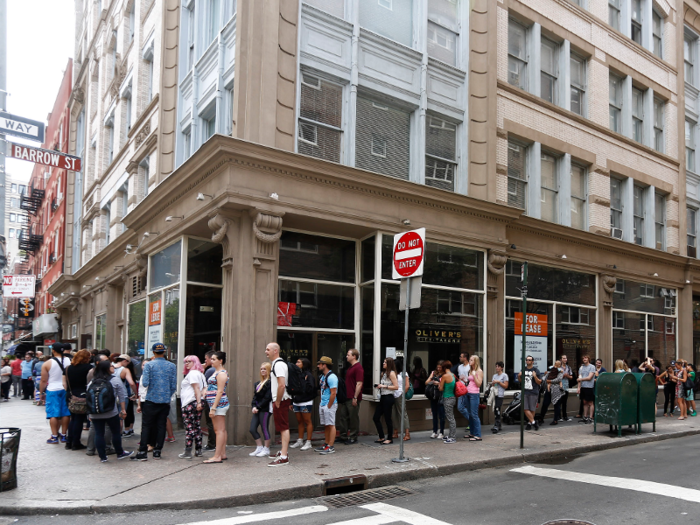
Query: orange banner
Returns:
{"type": "Point", "coordinates": [154, 315]}
{"type": "Point", "coordinates": [535, 326]}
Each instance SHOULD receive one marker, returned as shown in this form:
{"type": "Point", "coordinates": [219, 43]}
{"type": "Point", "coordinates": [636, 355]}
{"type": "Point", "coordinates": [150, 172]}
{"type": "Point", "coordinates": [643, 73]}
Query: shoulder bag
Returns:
{"type": "Point", "coordinates": [76, 405]}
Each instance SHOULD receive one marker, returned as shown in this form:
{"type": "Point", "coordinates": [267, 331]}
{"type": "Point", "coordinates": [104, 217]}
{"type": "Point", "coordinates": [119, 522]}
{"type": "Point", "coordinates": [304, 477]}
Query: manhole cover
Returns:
{"type": "Point", "coordinates": [363, 497]}
{"type": "Point", "coordinates": [568, 522]}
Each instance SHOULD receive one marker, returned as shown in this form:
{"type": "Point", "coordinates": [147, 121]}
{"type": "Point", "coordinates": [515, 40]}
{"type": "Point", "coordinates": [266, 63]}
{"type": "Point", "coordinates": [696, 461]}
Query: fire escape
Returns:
{"type": "Point", "coordinates": [31, 201]}
{"type": "Point", "coordinates": [30, 239]}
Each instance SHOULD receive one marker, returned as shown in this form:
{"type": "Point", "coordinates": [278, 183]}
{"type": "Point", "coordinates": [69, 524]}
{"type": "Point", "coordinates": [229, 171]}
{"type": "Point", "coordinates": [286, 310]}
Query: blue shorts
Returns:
{"type": "Point", "coordinates": [303, 409]}
{"type": "Point", "coordinates": [56, 405]}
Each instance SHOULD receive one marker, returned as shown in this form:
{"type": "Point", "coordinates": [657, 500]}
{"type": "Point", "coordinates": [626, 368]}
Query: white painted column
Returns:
{"type": "Point", "coordinates": [534, 65]}
{"type": "Point", "coordinates": [534, 159]}
{"type": "Point", "coordinates": [628, 210]}
{"type": "Point", "coordinates": [627, 106]}
{"type": "Point", "coordinates": [564, 204]}
{"type": "Point", "coordinates": [564, 91]}
{"type": "Point", "coordinates": [648, 124]}
{"type": "Point", "coordinates": [649, 216]}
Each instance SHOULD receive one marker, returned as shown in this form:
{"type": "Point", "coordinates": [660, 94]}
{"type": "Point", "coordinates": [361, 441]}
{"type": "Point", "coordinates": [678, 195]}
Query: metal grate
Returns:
{"type": "Point", "coordinates": [366, 496]}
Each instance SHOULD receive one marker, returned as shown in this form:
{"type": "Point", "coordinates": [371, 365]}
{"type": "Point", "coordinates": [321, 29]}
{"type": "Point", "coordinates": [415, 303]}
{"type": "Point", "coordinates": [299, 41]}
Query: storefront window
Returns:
{"type": "Point", "coordinates": [629, 337]}
{"type": "Point", "coordinates": [101, 331]}
{"type": "Point", "coordinates": [203, 320]}
{"type": "Point", "coordinates": [316, 305]}
{"type": "Point", "coordinates": [662, 339]}
{"type": "Point", "coordinates": [367, 341]}
{"type": "Point", "coordinates": [642, 297]}
{"type": "Point", "coordinates": [575, 334]}
{"type": "Point", "coordinates": [137, 328]}
{"type": "Point", "coordinates": [368, 249]}
{"type": "Point", "coordinates": [314, 257]}
{"type": "Point", "coordinates": [155, 321]}
{"type": "Point", "coordinates": [696, 329]}
{"type": "Point", "coordinates": [551, 284]}
{"type": "Point", "coordinates": [204, 261]}
{"type": "Point", "coordinates": [165, 267]}
{"type": "Point", "coordinates": [171, 314]}
{"type": "Point", "coordinates": [513, 354]}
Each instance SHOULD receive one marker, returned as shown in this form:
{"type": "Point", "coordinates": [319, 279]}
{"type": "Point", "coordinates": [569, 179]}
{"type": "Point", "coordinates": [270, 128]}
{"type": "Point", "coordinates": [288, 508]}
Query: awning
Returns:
{"type": "Point", "coordinates": [11, 350]}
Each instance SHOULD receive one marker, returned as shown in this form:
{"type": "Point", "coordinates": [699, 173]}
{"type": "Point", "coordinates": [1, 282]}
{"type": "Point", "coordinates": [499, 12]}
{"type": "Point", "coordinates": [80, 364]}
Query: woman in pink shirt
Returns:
{"type": "Point", "coordinates": [476, 377]}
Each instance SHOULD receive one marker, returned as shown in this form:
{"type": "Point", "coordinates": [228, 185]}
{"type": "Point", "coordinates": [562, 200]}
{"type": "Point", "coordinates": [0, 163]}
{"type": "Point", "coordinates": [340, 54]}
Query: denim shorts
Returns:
{"type": "Point", "coordinates": [221, 411]}
{"type": "Point", "coordinates": [304, 409]}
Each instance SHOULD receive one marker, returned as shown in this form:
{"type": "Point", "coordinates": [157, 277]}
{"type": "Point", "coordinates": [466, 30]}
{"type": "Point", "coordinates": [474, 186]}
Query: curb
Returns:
{"type": "Point", "coordinates": [315, 490]}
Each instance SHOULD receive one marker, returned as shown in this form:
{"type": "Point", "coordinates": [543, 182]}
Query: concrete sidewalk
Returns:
{"type": "Point", "coordinates": [53, 480]}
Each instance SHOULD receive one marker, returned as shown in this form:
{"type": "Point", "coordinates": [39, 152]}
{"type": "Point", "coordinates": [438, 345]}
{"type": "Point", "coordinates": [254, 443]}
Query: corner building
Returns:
{"type": "Point", "coordinates": [295, 139]}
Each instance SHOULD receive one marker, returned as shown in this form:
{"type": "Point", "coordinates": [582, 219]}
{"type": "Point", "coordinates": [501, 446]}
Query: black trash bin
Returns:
{"type": "Point", "coordinates": [9, 449]}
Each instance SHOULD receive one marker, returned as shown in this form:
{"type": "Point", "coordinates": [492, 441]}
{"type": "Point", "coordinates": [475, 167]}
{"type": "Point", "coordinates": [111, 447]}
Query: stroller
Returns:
{"type": "Point", "coordinates": [511, 415]}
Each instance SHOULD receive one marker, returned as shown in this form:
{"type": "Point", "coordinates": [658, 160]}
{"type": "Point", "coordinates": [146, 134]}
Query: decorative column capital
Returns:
{"type": "Point", "coordinates": [609, 282]}
{"type": "Point", "coordinates": [267, 228]}
{"type": "Point", "coordinates": [496, 261]}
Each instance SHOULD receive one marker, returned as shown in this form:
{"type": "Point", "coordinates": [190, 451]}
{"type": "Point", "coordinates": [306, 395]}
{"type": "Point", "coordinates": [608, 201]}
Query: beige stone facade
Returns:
{"type": "Point", "coordinates": [262, 204]}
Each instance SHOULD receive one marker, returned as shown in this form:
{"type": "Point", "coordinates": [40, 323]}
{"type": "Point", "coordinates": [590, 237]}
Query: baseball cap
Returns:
{"type": "Point", "coordinates": [673, 363]}
{"type": "Point", "coordinates": [325, 360]}
{"type": "Point", "coordinates": [57, 347]}
{"type": "Point", "coordinates": [124, 357]}
{"type": "Point", "coordinates": [158, 348]}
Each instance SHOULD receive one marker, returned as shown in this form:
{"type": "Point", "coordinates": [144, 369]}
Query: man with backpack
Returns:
{"type": "Point", "coordinates": [281, 400]}
{"type": "Point", "coordinates": [348, 416]}
{"type": "Point", "coordinates": [53, 394]}
{"type": "Point", "coordinates": [329, 403]}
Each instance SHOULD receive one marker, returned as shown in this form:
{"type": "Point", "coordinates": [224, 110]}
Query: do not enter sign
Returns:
{"type": "Point", "coordinates": [409, 253]}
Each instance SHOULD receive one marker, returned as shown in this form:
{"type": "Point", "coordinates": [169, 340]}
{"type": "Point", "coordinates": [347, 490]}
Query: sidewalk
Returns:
{"type": "Point", "coordinates": [53, 480]}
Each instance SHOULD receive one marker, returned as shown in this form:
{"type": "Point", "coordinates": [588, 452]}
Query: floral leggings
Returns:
{"type": "Point", "coordinates": [193, 430]}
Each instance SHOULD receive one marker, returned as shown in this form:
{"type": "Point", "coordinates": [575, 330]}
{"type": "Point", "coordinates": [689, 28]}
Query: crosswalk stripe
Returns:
{"type": "Point", "coordinates": [403, 515]}
{"type": "Point", "coordinates": [650, 487]}
{"type": "Point", "coordinates": [367, 520]}
{"type": "Point", "coordinates": [252, 518]}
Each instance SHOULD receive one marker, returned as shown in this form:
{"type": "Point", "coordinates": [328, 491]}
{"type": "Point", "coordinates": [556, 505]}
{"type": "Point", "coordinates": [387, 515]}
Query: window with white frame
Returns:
{"type": "Point", "coordinates": [443, 30]}
{"type": "Point", "coordinates": [638, 115]}
{"type": "Point", "coordinates": [187, 143]}
{"type": "Point", "coordinates": [389, 18]}
{"type": "Point", "coordinates": [13, 217]}
{"type": "Point", "coordinates": [517, 54]}
{"type": "Point", "coordinates": [549, 70]}
{"type": "Point", "coordinates": [107, 218]}
{"type": "Point", "coordinates": [148, 56]}
{"type": "Point", "coordinates": [636, 27]}
{"type": "Point", "coordinates": [574, 315]}
{"type": "Point", "coordinates": [692, 236]}
{"type": "Point", "coordinates": [690, 145]}
{"type": "Point", "coordinates": [517, 175]}
{"type": "Point", "coordinates": [616, 207]}
{"type": "Point", "coordinates": [660, 220]}
{"type": "Point", "coordinates": [689, 57]}
{"type": "Point", "coordinates": [320, 118]}
{"type": "Point", "coordinates": [614, 14]}
{"type": "Point", "coordinates": [577, 69]}
{"type": "Point", "coordinates": [646, 291]}
{"type": "Point", "coordinates": [638, 215]}
{"type": "Point", "coordinates": [549, 187]}
{"type": "Point", "coordinates": [190, 34]}
{"type": "Point", "coordinates": [578, 196]}
{"type": "Point", "coordinates": [145, 175]}
{"type": "Point", "coordinates": [615, 104]}
{"type": "Point", "coordinates": [440, 153]}
{"type": "Point", "coordinates": [334, 7]}
{"type": "Point", "coordinates": [213, 20]}
{"type": "Point", "coordinates": [657, 27]}
{"type": "Point", "coordinates": [209, 126]}
{"type": "Point", "coordinates": [382, 138]}
{"type": "Point", "coordinates": [659, 141]}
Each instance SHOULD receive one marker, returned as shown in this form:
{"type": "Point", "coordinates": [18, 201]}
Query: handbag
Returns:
{"type": "Point", "coordinates": [76, 405]}
{"type": "Point", "coordinates": [460, 389]}
{"type": "Point", "coordinates": [409, 392]}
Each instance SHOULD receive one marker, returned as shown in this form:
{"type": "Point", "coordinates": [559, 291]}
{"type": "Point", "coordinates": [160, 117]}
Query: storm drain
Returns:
{"type": "Point", "coordinates": [366, 496]}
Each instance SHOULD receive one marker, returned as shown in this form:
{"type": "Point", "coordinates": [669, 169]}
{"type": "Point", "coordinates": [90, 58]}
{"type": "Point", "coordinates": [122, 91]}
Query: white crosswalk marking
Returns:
{"type": "Point", "coordinates": [650, 487]}
{"type": "Point", "coordinates": [252, 518]}
{"type": "Point", "coordinates": [367, 520]}
{"type": "Point", "coordinates": [403, 515]}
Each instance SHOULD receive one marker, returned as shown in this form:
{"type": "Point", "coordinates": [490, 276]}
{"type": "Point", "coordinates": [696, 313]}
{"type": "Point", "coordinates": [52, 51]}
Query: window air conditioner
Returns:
{"type": "Point", "coordinates": [617, 233]}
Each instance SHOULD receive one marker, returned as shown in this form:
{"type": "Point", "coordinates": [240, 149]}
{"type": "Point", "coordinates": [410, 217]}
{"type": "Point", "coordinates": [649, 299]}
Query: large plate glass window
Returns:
{"type": "Point", "coordinates": [136, 336]}
{"type": "Point", "coordinates": [165, 267]}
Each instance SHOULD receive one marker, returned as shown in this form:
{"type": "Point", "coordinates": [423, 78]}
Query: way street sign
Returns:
{"type": "Point", "coordinates": [409, 252]}
{"type": "Point", "coordinates": [21, 127]}
{"type": "Point", "coordinates": [14, 286]}
{"type": "Point", "coordinates": [47, 157]}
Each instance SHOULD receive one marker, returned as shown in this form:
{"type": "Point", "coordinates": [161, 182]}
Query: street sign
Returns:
{"type": "Point", "coordinates": [18, 286]}
{"type": "Point", "coordinates": [46, 157]}
{"type": "Point", "coordinates": [409, 253]}
{"type": "Point", "coordinates": [415, 294]}
{"type": "Point", "coordinates": [21, 127]}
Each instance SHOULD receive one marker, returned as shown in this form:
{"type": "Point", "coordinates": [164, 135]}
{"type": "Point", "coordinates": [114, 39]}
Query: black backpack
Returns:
{"type": "Point", "coordinates": [296, 385]}
{"type": "Point", "coordinates": [100, 398]}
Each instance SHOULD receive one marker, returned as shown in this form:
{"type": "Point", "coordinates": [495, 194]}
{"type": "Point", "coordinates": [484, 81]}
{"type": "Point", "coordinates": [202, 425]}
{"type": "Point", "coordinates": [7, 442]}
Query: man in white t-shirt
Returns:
{"type": "Point", "coordinates": [463, 375]}
{"type": "Point", "coordinates": [281, 401]}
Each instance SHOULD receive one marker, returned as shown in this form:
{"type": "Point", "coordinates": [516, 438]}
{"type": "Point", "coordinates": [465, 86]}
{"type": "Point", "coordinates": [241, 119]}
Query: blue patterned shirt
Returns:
{"type": "Point", "coordinates": [160, 378]}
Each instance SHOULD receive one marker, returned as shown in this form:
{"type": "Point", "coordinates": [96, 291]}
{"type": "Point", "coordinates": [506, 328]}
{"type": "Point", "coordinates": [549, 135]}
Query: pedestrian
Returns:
{"type": "Point", "coordinates": [418, 375]}
{"type": "Point", "coordinates": [53, 392]}
{"type": "Point", "coordinates": [160, 378]}
{"type": "Point", "coordinates": [27, 380]}
{"type": "Point", "coordinates": [123, 371]}
{"type": "Point", "coordinates": [620, 367]}
{"type": "Point", "coordinates": [690, 392]}
{"type": "Point", "coordinates": [16, 366]}
{"type": "Point", "coordinates": [531, 376]}
{"type": "Point", "coordinates": [447, 387]}
{"type": "Point", "coordinates": [554, 380]}
{"type": "Point", "coordinates": [211, 434]}
{"type": "Point", "coordinates": [192, 391]}
{"type": "Point", "coordinates": [76, 379]}
{"type": "Point", "coordinates": [681, 376]}
{"type": "Point", "coordinates": [567, 375]}
{"type": "Point", "coordinates": [385, 389]}
{"type": "Point", "coordinates": [303, 406]}
{"type": "Point", "coordinates": [432, 392]}
{"type": "Point", "coordinates": [6, 378]}
{"type": "Point", "coordinates": [463, 376]}
{"type": "Point", "coordinates": [404, 383]}
{"type": "Point", "coordinates": [328, 384]}
{"type": "Point", "coordinates": [476, 378]}
{"type": "Point", "coordinates": [218, 405]}
{"type": "Point", "coordinates": [37, 363]}
{"type": "Point", "coordinates": [499, 381]}
{"type": "Point", "coordinates": [666, 380]}
{"type": "Point", "coordinates": [281, 401]}
{"type": "Point", "coordinates": [104, 374]}
{"type": "Point", "coordinates": [262, 399]}
{"type": "Point", "coordinates": [586, 388]}
{"type": "Point", "coordinates": [348, 417]}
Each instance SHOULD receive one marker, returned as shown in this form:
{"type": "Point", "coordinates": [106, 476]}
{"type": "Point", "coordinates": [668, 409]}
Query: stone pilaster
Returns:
{"type": "Point", "coordinates": [495, 306]}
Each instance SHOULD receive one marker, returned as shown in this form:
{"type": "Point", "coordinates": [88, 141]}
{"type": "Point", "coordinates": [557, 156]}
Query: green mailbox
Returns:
{"type": "Point", "coordinates": [647, 400]}
{"type": "Point", "coordinates": [616, 401]}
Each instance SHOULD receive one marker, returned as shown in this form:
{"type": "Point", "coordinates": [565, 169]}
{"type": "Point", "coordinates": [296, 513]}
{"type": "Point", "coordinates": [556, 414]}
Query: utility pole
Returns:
{"type": "Point", "coordinates": [523, 292]}
{"type": "Point", "coordinates": [3, 106]}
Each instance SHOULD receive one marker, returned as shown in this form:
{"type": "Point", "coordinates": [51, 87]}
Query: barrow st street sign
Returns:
{"type": "Point", "coordinates": [21, 127]}
{"type": "Point", "coordinates": [47, 157]}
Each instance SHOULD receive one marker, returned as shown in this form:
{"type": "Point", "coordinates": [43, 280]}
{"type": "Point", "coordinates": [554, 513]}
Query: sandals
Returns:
{"type": "Point", "coordinates": [380, 441]}
{"type": "Point", "coordinates": [388, 442]}
{"type": "Point", "coordinates": [474, 438]}
{"type": "Point", "coordinates": [210, 461]}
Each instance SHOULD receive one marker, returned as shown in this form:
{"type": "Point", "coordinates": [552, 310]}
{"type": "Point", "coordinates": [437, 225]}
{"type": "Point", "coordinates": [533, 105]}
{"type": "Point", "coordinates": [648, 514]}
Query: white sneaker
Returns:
{"type": "Point", "coordinates": [256, 451]}
{"type": "Point", "coordinates": [433, 435]}
{"type": "Point", "coordinates": [307, 446]}
{"type": "Point", "coordinates": [299, 443]}
{"type": "Point", "coordinates": [264, 451]}
{"type": "Point", "coordinates": [440, 436]}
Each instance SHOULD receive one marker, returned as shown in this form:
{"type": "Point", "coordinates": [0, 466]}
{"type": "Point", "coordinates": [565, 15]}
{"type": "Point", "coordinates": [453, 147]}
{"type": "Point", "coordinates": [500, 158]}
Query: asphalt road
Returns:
{"type": "Point", "coordinates": [653, 483]}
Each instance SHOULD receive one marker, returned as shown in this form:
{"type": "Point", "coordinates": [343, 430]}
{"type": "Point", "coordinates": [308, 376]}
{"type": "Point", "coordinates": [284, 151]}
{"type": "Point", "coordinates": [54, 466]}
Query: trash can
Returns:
{"type": "Point", "coordinates": [9, 449]}
{"type": "Point", "coordinates": [647, 400]}
{"type": "Point", "coordinates": [616, 401]}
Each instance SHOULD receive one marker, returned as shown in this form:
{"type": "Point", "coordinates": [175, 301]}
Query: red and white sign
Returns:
{"type": "Point", "coordinates": [409, 254]}
{"type": "Point", "coordinates": [155, 315]}
{"type": "Point", "coordinates": [18, 285]}
{"type": "Point", "coordinates": [46, 157]}
{"type": "Point", "coordinates": [535, 325]}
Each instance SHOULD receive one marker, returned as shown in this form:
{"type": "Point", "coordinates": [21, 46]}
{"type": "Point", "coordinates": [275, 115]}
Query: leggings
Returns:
{"type": "Point", "coordinates": [386, 403]}
{"type": "Point", "coordinates": [192, 418]}
{"type": "Point", "coordinates": [6, 389]}
{"type": "Point", "coordinates": [669, 399]}
{"type": "Point", "coordinates": [449, 405]}
{"type": "Point", "coordinates": [262, 420]}
{"type": "Point", "coordinates": [130, 418]}
{"type": "Point", "coordinates": [438, 414]}
{"type": "Point", "coordinates": [564, 399]}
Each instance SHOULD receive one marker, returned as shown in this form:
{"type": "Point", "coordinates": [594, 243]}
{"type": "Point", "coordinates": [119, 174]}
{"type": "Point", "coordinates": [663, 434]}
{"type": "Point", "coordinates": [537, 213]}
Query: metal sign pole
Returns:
{"type": "Point", "coordinates": [522, 357]}
{"type": "Point", "coordinates": [401, 458]}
